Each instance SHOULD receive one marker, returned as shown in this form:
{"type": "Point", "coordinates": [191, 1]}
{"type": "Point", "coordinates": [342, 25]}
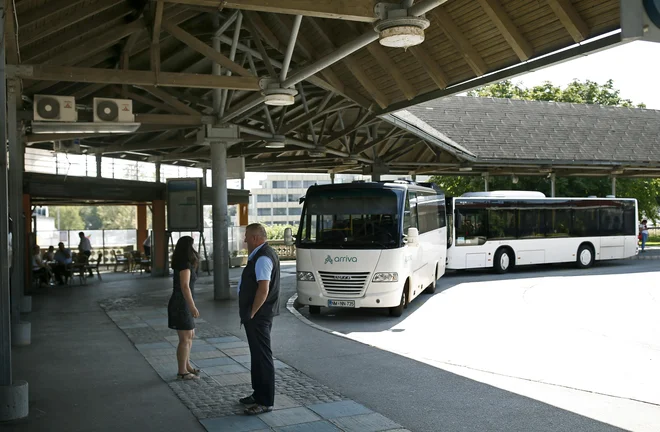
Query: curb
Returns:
{"type": "Point", "coordinates": [290, 305]}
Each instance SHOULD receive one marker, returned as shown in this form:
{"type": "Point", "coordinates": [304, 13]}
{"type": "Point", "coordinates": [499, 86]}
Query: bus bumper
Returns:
{"type": "Point", "coordinates": [377, 295]}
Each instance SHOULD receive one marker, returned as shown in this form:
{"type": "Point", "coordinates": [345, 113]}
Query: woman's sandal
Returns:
{"type": "Point", "coordinates": [257, 409]}
{"type": "Point", "coordinates": [195, 371]}
{"type": "Point", "coordinates": [186, 376]}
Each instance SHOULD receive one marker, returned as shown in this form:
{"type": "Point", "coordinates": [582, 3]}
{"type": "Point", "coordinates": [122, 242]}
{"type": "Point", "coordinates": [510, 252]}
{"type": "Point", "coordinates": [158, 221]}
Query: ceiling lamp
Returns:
{"type": "Point", "coordinates": [276, 142]}
{"type": "Point", "coordinates": [275, 95]}
{"type": "Point", "coordinates": [401, 31]}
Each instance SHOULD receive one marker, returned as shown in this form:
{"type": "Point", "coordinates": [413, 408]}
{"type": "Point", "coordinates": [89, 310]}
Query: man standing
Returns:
{"type": "Point", "coordinates": [85, 248]}
{"type": "Point", "coordinates": [259, 302]}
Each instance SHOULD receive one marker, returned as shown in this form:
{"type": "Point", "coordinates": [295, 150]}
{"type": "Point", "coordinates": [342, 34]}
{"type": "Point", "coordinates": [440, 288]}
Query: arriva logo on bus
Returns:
{"type": "Point", "coordinates": [330, 260]}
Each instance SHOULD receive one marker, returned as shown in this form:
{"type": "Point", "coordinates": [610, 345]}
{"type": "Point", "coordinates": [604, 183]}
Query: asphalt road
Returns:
{"type": "Point", "coordinates": [542, 348]}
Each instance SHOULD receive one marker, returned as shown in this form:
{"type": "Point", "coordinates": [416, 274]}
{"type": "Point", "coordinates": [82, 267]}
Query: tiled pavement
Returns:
{"type": "Point", "coordinates": [301, 403]}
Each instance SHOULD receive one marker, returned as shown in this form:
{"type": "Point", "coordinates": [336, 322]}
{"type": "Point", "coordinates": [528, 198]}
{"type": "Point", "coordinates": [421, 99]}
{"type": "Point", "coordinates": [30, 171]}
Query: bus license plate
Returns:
{"type": "Point", "coordinates": [341, 303]}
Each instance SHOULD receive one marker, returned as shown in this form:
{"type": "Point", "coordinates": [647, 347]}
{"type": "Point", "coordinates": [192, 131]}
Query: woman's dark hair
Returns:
{"type": "Point", "coordinates": [184, 255]}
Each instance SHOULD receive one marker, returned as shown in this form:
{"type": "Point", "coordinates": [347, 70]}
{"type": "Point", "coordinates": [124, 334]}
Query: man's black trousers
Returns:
{"type": "Point", "coordinates": [261, 357]}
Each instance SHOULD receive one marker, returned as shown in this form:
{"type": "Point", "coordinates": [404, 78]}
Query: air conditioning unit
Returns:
{"type": "Point", "coordinates": [55, 108]}
{"type": "Point", "coordinates": [67, 146]}
{"type": "Point", "coordinates": [113, 110]}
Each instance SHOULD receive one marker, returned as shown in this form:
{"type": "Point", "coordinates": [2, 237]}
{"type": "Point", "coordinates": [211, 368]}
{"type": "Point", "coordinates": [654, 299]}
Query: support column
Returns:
{"type": "Point", "coordinates": [21, 331]}
{"type": "Point", "coordinates": [99, 161]}
{"type": "Point", "coordinates": [613, 186]}
{"type": "Point", "coordinates": [332, 178]}
{"type": "Point", "coordinates": [413, 177]}
{"type": "Point", "coordinates": [141, 224]}
{"type": "Point", "coordinates": [157, 172]}
{"type": "Point", "coordinates": [204, 171]}
{"type": "Point", "coordinates": [375, 177]}
{"type": "Point", "coordinates": [486, 179]}
{"type": "Point", "coordinates": [553, 178]}
{"type": "Point", "coordinates": [27, 235]}
{"type": "Point", "coordinates": [159, 240]}
{"type": "Point", "coordinates": [220, 221]}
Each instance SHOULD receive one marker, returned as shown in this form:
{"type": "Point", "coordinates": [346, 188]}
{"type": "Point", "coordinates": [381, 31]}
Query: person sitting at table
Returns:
{"type": "Point", "coordinates": [50, 254]}
{"type": "Point", "coordinates": [63, 259]}
{"type": "Point", "coordinates": [39, 268]}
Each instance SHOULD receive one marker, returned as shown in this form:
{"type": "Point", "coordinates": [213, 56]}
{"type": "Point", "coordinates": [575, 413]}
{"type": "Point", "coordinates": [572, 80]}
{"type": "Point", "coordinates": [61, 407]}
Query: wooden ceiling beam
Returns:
{"type": "Point", "coordinates": [507, 28]}
{"type": "Point", "coordinates": [204, 49]}
{"type": "Point", "coordinates": [353, 65]}
{"type": "Point", "coordinates": [11, 43]}
{"type": "Point", "coordinates": [293, 125]}
{"type": "Point", "coordinates": [46, 11]}
{"type": "Point", "coordinates": [385, 62]}
{"type": "Point", "coordinates": [170, 100]}
{"type": "Point", "coordinates": [430, 66]}
{"type": "Point", "coordinates": [139, 78]}
{"type": "Point", "coordinates": [81, 14]}
{"type": "Point", "coordinates": [135, 97]}
{"type": "Point", "coordinates": [352, 10]}
{"type": "Point", "coordinates": [570, 19]}
{"type": "Point", "coordinates": [456, 37]}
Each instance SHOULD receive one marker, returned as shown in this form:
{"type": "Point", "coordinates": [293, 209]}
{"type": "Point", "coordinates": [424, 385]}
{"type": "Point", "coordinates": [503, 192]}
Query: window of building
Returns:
{"type": "Point", "coordinates": [279, 198]}
{"type": "Point", "coordinates": [295, 184]}
{"type": "Point", "coordinates": [293, 198]}
{"type": "Point", "coordinates": [279, 184]}
{"type": "Point", "coordinates": [263, 198]}
{"type": "Point", "coordinates": [263, 212]}
{"type": "Point", "coordinates": [308, 183]}
{"type": "Point", "coordinates": [295, 211]}
{"type": "Point", "coordinates": [279, 212]}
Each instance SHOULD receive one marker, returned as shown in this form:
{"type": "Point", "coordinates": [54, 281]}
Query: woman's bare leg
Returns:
{"type": "Point", "coordinates": [183, 350]}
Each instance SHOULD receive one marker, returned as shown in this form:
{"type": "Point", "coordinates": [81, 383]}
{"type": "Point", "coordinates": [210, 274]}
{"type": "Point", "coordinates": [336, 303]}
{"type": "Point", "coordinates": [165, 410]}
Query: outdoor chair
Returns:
{"type": "Point", "coordinates": [95, 266]}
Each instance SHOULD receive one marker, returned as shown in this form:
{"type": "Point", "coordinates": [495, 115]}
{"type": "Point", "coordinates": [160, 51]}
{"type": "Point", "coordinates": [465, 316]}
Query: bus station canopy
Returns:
{"type": "Point", "coordinates": [160, 54]}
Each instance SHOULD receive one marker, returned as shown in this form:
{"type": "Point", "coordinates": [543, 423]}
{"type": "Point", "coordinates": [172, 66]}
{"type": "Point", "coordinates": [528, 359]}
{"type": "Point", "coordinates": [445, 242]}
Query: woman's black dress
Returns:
{"type": "Point", "coordinates": [179, 316]}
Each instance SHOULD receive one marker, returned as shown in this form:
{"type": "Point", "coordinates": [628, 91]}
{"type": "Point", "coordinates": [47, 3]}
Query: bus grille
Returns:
{"type": "Point", "coordinates": [344, 284]}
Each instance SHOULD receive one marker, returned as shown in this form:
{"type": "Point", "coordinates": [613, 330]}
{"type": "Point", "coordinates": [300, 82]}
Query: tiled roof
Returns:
{"type": "Point", "coordinates": [545, 131]}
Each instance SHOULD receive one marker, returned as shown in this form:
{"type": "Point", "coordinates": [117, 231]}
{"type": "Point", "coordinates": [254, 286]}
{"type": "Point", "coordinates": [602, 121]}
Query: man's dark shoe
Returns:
{"type": "Point", "coordinates": [248, 400]}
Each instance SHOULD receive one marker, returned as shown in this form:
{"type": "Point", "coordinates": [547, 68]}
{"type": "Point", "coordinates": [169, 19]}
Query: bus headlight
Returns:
{"type": "Point", "coordinates": [305, 276]}
{"type": "Point", "coordinates": [386, 277]}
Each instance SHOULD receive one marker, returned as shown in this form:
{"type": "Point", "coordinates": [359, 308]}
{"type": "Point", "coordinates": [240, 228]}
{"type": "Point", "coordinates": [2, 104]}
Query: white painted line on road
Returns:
{"type": "Point", "coordinates": [294, 311]}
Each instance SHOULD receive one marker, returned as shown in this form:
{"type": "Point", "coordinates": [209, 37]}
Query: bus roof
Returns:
{"type": "Point", "coordinates": [396, 184]}
{"type": "Point", "coordinates": [504, 194]}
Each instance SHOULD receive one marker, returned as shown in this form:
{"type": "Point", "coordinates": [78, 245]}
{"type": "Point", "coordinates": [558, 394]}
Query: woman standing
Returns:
{"type": "Point", "coordinates": [644, 232]}
{"type": "Point", "coordinates": [181, 310]}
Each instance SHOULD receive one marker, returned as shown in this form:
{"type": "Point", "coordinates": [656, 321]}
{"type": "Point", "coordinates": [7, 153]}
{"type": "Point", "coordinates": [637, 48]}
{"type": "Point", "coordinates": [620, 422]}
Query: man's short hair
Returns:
{"type": "Point", "coordinates": [81, 233]}
{"type": "Point", "coordinates": [257, 229]}
{"type": "Point", "coordinates": [60, 244]}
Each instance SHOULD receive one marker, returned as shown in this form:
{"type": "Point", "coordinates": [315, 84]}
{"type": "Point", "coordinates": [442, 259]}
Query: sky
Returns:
{"type": "Point", "coordinates": [634, 67]}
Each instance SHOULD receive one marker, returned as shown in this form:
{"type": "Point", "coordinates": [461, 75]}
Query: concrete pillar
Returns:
{"type": "Point", "coordinates": [375, 177]}
{"type": "Point", "coordinates": [16, 166]}
{"type": "Point", "coordinates": [220, 221]}
{"type": "Point", "coordinates": [204, 178]}
{"type": "Point", "coordinates": [27, 235]}
{"type": "Point", "coordinates": [157, 172]}
{"type": "Point", "coordinates": [99, 161]}
{"type": "Point", "coordinates": [141, 225]}
{"type": "Point", "coordinates": [159, 253]}
{"type": "Point", "coordinates": [332, 178]}
{"type": "Point", "coordinates": [414, 178]}
{"type": "Point", "coordinates": [613, 186]}
{"type": "Point", "coordinates": [553, 179]}
{"type": "Point", "coordinates": [486, 179]}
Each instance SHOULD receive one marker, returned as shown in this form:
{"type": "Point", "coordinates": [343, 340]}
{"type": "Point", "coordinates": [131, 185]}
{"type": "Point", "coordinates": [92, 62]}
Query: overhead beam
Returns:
{"type": "Point", "coordinates": [146, 146]}
{"type": "Point", "coordinates": [430, 66]}
{"type": "Point", "coordinates": [352, 10]}
{"type": "Point", "coordinates": [570, 19]}
{"type": "Point", "coordinates": [29, 37]}
{"type": "Point", "coordinates": [132, 77]}
{"type": "Point", "coordinates": [46, 11]}
{"type": "Point", "coordinates": [204, 49]}
{"type": "Point", "coordinates": [170, 100]}
{"type": "Point", "coordinates": [507, 28]}
{"type": "Point", "coordinates": [172, 119]}
{"type": "Point", "coordinates": [462, 45]}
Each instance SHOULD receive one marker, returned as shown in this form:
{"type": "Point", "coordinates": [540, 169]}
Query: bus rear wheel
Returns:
{"type": "Point", "coordinates": [503, 261]}
{"type": "Point", "coordinates": [397, 311]}
{"type": "Point", "coordinates": [314, 310]}
{"type": "Point", "coordinates": [585, 256]}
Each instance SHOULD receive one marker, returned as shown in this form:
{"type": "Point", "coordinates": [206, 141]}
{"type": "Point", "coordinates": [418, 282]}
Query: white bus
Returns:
{"type": "Point", "coordinates": [508, 228]}
{"type": "Point", "coordinates": [375, 245]}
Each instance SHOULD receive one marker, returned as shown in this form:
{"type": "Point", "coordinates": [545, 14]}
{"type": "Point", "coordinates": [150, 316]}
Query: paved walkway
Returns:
{"type": "Point", "coordinates": [650, 252]}
{"type": "Point", "coordinates": [302, 404]}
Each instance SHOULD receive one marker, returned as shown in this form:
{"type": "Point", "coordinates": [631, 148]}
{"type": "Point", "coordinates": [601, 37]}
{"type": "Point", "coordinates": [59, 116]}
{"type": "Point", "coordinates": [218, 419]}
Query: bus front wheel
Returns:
{"type": "Point", "coordinates": [504, 260]}
{"type": "Point", "coordinates": [585, 256]}
{"type": "Point", "coordinates": [314, 310]}
{"type": "Point", "coordinates": [397, 311]}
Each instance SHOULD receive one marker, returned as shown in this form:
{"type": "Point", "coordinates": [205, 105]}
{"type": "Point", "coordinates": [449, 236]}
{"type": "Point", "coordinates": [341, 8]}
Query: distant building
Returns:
{"type": "Point", "coordinates": [276, 201]}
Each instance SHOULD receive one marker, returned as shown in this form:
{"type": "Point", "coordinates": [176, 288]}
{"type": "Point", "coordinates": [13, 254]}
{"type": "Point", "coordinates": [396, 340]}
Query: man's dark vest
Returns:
{"type": "Point", "coordinates": [249, 285]}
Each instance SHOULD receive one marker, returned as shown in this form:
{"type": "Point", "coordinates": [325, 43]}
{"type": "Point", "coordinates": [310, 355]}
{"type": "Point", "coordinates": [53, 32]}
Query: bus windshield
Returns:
{"type": "Point", "coordinates": [356, 218]}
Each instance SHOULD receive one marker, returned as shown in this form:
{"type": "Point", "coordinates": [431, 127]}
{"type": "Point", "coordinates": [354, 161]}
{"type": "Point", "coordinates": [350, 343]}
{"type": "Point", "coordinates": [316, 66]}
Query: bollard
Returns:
{"type": "Point", "coordinates": [14, 401]}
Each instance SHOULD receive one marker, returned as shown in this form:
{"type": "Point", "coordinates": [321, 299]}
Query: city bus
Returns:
{"type": "Point", "coordinates": [504, 229]}
{"type": "Point", "coordinates": [369, 244]}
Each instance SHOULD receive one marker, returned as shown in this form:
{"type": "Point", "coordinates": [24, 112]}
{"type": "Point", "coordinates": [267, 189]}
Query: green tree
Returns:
{"type": "Point", "coordinates": [67, 217]}
{"type": "Point", "coordinates": [646, 191]}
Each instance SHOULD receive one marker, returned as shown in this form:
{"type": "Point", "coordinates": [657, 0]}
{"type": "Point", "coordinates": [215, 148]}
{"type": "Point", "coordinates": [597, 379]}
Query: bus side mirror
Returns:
{"type": "Point", "coordinates": [288, 237]}
{"type": "Point", "coordinates": [413, 237]}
